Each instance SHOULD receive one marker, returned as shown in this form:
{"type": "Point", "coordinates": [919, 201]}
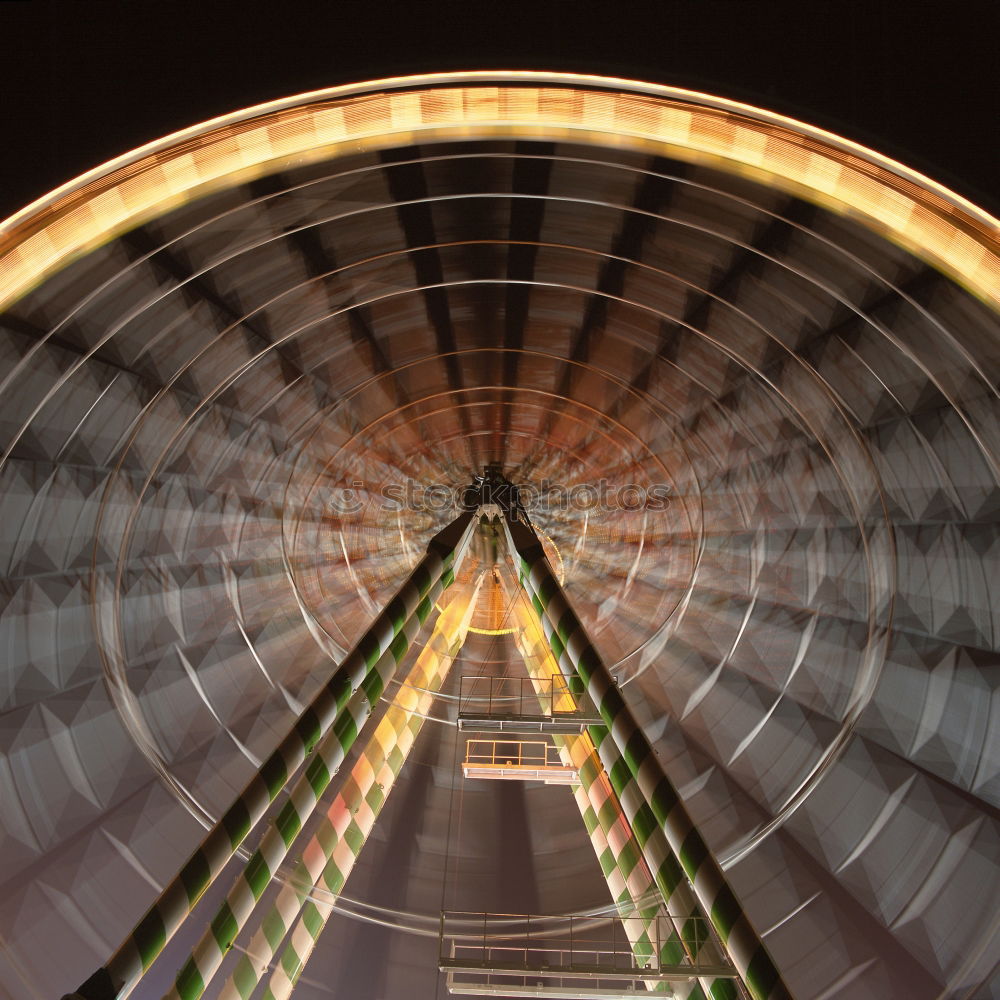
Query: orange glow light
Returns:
{"type": "Point", "coordinates": [913, 211]}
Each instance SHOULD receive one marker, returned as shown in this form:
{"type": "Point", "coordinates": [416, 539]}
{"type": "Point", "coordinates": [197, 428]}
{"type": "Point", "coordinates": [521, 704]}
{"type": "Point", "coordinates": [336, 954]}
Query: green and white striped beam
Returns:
{"type": "Point", "coordinates": [668, 876]}
{"type": "Point", "coordinates": [663, 866]}
{"type": "Point", "coordinates": [613, 831]}
{"type": "Point", "coordinates": [119, 977]}
{"type": "Point", "coordinates": [629, 880]}
{"type": "Point", "coordinates": [198, 971]}
{"type": "Point", "coordinates": [574, 652]}
{"type": "Point", "coordinates": [330, 854]}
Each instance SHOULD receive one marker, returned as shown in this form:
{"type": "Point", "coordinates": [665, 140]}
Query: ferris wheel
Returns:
{"type": "Point", "coordinates": [564, 455]}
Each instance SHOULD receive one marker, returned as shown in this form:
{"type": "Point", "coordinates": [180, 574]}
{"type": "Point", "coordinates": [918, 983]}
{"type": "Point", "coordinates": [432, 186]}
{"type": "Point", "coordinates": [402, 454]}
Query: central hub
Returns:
{"type": "Point", "coordinates": [494, 489]}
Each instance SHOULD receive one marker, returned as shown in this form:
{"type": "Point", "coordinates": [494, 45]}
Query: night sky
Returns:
{"type": "Point", "coordinates": [85, 81]}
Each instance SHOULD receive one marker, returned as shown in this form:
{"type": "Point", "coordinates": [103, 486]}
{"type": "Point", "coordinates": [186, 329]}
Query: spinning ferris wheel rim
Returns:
{"type": "Point", "coordinates": [918, 213]}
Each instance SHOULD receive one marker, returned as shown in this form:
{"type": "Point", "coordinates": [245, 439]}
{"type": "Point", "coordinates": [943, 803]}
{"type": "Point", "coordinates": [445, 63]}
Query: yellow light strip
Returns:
{"type": "Point", "coordinates": [924, 217]}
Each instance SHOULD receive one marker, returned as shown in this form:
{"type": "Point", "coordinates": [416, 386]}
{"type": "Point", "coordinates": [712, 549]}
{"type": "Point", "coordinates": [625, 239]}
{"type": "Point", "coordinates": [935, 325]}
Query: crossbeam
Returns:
{"type": "Point", "coordinates": [486, 951]}
{"type": "Point", "coordinates": [544, 990]}
{"type": "Point", "coordinates": [490, 704]}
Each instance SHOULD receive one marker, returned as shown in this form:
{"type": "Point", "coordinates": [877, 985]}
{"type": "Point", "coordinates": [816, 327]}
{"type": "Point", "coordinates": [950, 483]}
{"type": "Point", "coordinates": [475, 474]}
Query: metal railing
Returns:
{"type": "Point", "coordinates": [512, 753]}
{"type": "Point", "coordinates": [498, 948]}
{"type": "Point", "coordinates": [517, 760]}
{"type": "Point", "coordinates": [523, 704]}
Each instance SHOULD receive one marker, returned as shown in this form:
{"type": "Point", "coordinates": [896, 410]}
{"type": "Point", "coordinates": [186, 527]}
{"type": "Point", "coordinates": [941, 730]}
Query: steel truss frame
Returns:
{"type": "Point", "coordinates": [621, 785]}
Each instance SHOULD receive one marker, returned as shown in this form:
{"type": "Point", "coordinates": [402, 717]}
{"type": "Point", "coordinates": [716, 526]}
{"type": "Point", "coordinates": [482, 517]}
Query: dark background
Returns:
{"type": "Point", "coordinates": [85, 81]}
